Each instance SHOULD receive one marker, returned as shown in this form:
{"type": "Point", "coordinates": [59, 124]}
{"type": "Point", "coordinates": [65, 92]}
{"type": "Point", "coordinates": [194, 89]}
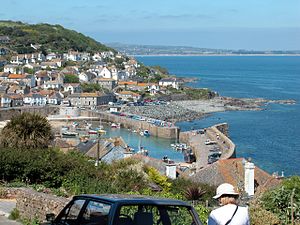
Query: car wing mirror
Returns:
{"type": "Point", "coordinates": [50, 217]}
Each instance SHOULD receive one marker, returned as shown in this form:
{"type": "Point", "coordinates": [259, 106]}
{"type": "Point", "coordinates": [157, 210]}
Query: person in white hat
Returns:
{"type": "Point", "coordinates": [229, 212]}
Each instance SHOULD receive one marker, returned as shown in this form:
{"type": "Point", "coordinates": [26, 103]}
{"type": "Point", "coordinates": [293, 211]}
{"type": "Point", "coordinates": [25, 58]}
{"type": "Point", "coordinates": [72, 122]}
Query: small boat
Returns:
{"type": "Point", "coordinates": [145, 133]}
{"type": "Point", "coordinates": [115, 125]}
{"type": "Point", "coordinates": [69, 134]}
{"type": "Point", "coordinates": [209, 142]}
{"type": "Point", "coordinates": [143, 151]}
{"type": "Point", "coordinates": [64, 128]}
{"type": "Point", "coordinates": [101, 131]}
{"type": "Point", "coordinates": [75, 124]}
{"type": "Point", "coordinates": [92, 132]}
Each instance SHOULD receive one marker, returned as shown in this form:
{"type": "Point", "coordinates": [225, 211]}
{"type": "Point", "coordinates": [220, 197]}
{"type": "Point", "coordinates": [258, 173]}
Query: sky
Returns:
{"type": "Point", "coordinates": [226, 24]}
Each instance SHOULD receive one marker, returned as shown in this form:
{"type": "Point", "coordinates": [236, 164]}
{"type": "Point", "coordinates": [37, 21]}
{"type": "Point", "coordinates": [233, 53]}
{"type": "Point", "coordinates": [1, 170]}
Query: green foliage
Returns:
{"type": "Point", "coordinates": [143, 71]}
{"type": "Point", "coordinates": [53, 37]}
{"type": "Point", "coordinates": [91, 87]}
{"type": "Point", "coordinates": [28, 70]}
{"type": "Point", "coordinates": [260, 216]}
{"type": "Point", "coordinates": [203, 213]}
{"type": "Point", "coordinates": [160, 70]}
{"type": "Point", "coordinates": [194, 193]}
{"type": "Point", "coordinates": [70, 78]}
{"type": "Point", "coordinates": [279, 200]}
{"type": "Point", "coordinates": [34, 221]}
{"type": "Point", "coordinates": [14, 215]}
{"type": "Point", "coordinates": [196, 93]}
{"type": "Point", "coordinates": [70, 63]}
{"type": "Point", "coordinates": [26, 130]}
{"type": "Point", "coordinates": [159, 179]}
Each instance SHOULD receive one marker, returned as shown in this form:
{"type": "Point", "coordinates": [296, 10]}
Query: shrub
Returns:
{"type": "Point", "coordinates": [278, 200]}
{"type": "Point", "coordinates": [14, 215]}
{"type": "Point", "coordinates": [157, 178]}
{"type": "Point", "coordinates": [260, 216]}
{"type": "Point", "coordinates": [194, 193]}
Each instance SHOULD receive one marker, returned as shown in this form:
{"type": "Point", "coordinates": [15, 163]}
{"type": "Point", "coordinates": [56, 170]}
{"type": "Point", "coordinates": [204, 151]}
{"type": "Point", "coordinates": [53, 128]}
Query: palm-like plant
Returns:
{"type": "Point", "coordinates": [27, 130]}
{"type": "Point", "coordinates": [194, 193]}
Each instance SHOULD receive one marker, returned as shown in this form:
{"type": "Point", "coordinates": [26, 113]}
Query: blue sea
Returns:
{"type": "Point", "coordinates": [270, 137]}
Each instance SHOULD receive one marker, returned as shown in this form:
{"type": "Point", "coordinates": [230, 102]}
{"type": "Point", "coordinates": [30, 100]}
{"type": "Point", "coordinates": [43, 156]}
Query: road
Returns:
{"type": "Point", "coordinates": [6, 206]}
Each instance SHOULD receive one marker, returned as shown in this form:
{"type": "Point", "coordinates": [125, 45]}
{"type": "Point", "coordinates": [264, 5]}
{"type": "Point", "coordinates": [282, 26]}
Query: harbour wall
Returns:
{"type": "Point", "coordinates": [218, 133]}
{"type": "Point", "coordinates": [157, 131]}
{"type": "Point", "coordinates": [221, 131]}
{"type": "Point", "coordinates": [7, 113]}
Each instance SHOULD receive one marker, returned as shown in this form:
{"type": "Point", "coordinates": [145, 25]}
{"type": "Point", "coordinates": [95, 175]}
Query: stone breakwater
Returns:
{"type": "Point", "coordinates": [195, 109]}
{"type": "Point", "coordinates": [171, 112]}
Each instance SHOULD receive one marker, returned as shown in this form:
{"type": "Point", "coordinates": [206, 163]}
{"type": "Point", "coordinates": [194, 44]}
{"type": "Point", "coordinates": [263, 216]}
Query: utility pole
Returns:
{"type": "Point", "coordinates": [100, 132]}
{"type": "Point", "coordinates": [98, 150]}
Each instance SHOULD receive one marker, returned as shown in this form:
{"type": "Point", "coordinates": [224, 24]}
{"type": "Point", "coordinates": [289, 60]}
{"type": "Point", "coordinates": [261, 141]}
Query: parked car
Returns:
{"type": "Point", "coordinates": [125, 210]}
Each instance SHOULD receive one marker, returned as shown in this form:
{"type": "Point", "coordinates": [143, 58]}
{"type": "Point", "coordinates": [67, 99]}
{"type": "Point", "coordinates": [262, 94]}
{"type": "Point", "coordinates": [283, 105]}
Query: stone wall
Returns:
{"type": "Point", "coordinates": [9, 193]}
{"type": "Point", "coordinates": [222, 131]}
{"type": "Point", "coordinates": [163, 132]}
{"type": "Point", "coordinates": [35, 205]}
{"type": "Point", "coordinates": [7, 113]}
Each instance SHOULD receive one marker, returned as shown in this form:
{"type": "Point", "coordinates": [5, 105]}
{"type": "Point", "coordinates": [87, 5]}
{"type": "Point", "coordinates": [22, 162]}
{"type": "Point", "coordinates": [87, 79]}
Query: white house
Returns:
{"type": "Point", "coordinates": [97, 57]}
{"type": "Point", "coordinates": [9, 68]}
{"type": "Point", "coordinates": [107, 54]}
{"type": "Point", "coordinates": [35, 99]}
{"type": "Point", "coordinates": [51, 56]}
{"type": "Point", "coordinates": [153, 89]}
{"type": "Point", "coordinates": [114, 72]}
{"type": "Point", "coordinates": [105, 73]}
{"type": "Point", "coordinates": [130, 71]}
{"type": "Point", "coordinates": [72, 88]}
{"type": "Point", "coordinates": [27, 58]}
{"type": "Point", "coordinates": [128, 96]}
{"type": "Point", "coordinates": [51, 65]}
{"type": "Point", "coordinates": [85, 77]}
{"type": "Point", "coordinates": [55, 98]}
{"type": "Point", "coordinates": [77, 56]}
{"type": "Point", "coordinates": [169, 82]}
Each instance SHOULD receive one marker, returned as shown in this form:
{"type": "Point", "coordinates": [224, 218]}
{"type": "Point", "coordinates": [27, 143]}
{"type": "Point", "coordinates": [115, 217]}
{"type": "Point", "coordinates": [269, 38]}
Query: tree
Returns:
{"type": "Point", "coordinates": [27, 130]}
{"type": "Point", "coordinates": [70, 78]}
{"type": "Point", "coordinates": [91, 87]}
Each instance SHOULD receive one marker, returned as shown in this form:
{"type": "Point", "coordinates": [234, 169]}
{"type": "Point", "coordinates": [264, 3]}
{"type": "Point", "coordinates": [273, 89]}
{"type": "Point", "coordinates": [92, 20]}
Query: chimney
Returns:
{"type": "Point", "coordinates": [249, 178]}
{"type": "Point", "coordinates": [171, 171]}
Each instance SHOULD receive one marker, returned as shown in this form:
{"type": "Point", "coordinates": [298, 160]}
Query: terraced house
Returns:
{"type": "Point", "coordinates": [90, 99]}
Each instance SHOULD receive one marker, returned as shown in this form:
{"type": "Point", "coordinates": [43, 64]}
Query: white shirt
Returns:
{"type": "Point", "coordinates": [221, 215]}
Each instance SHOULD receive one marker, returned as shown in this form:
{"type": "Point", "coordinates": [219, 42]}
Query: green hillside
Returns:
{"type": "Point", "coordinates": [54, 38]}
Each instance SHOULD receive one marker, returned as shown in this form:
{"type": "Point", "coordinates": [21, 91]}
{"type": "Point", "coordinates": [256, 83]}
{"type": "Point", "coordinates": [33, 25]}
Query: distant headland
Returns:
{"type": "Point", "coordinates": [160, 50]}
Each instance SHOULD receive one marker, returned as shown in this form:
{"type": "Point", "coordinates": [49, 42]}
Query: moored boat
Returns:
{"type": "Point", "coordinates": [145, 133]}
{"type": "Point", "coordinates": [115, 125]}
{"type": "Point", "coordinates": [69, 134]}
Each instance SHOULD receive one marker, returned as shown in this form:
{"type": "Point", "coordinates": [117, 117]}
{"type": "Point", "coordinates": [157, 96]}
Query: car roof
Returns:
{"type": "Point", "coordinates": [133, 199]}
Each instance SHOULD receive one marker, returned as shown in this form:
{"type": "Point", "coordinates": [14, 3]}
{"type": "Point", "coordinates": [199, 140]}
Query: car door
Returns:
{"type": "Point", "coordinates": [95, 213]}
{"type": "Point", "coordinates": [70, 215]}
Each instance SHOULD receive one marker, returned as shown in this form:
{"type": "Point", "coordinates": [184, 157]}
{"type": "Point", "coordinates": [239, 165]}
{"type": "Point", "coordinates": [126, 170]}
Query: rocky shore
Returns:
{"type": "Point", "coordinates": [195, 109]}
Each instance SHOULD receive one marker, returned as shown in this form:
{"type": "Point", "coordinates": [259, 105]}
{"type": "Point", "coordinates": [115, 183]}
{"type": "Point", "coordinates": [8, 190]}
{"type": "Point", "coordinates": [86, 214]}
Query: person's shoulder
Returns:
{"type": "Point", "coordinates": [243, 208]}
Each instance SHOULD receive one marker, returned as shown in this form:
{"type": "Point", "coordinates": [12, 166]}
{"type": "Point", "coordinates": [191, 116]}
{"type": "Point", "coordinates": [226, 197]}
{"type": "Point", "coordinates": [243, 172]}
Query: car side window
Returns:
{"type": "Point", "coordinates": [70, 214]}
{"type": "Point", "coordinates": [96, 213]}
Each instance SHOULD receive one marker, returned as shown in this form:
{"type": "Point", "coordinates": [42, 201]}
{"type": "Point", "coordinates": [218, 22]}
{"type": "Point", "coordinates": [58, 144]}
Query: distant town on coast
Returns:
{"type": "Point", "coordinates": [160, 50]}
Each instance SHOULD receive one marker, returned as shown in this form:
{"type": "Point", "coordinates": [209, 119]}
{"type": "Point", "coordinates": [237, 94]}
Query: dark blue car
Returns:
{"type": "Point", "coordinates": [125, 210]}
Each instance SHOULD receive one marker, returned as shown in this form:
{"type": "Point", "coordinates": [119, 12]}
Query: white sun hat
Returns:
{"type": "Point", "coordinates": [225, 189]}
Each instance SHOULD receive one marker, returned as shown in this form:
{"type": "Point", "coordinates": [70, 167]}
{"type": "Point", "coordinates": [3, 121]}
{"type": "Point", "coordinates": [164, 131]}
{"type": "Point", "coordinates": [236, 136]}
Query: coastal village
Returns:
{"type": "Point", "coordinates": [83, 93]}
{"type": "Point", "coordinates": [108, 86]}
